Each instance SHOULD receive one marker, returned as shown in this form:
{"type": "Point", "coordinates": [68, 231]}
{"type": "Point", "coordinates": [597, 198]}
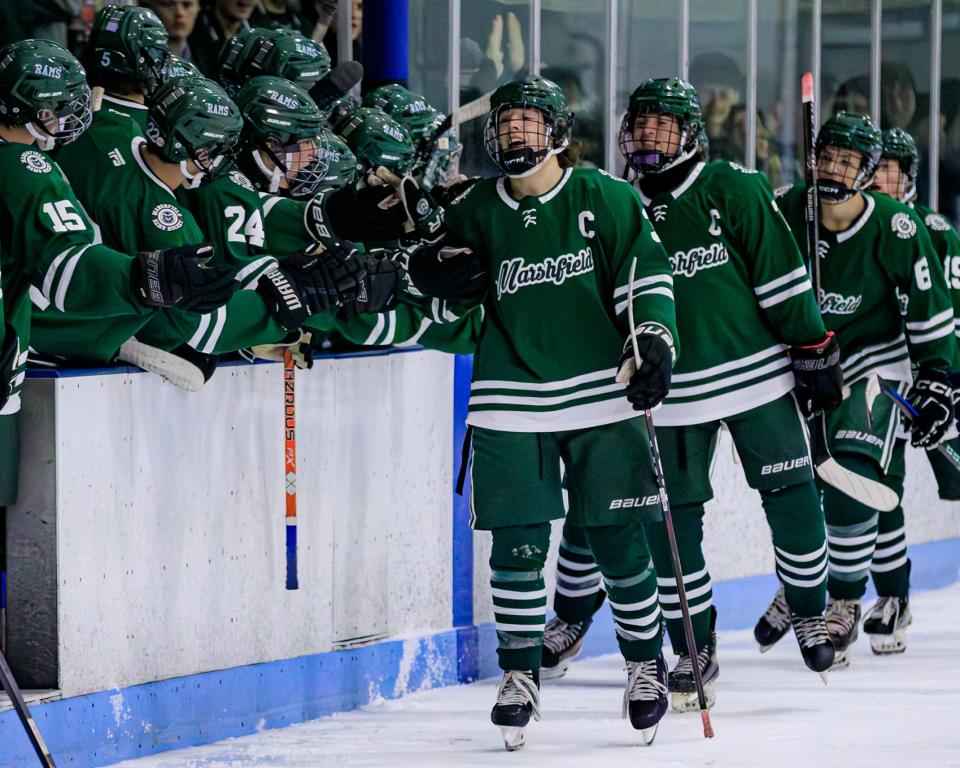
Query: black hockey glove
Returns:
{"type": "Point", "coordinates": [445, 272]}
{"type": "Point", "coordinates": [311, 282]}
{"type": "Point", "coordinates": [371, 214]}
{"type": "Point", "coordinates": [8, 362]}
{"type": "Point", "coordinates": [378, 289]}
{"type": "Point", "coordinates": [424, 216]}
{"type": "Point", "coordinates": [819, 378]}
{"type": "Point", "coordinates": [445, 194]}
{"type": "Point", "coordinates": [650, 383]}
{"type": "Point", "coordinates": [182, 277]}
{"type": "Point", "coordinates": [932, 398]}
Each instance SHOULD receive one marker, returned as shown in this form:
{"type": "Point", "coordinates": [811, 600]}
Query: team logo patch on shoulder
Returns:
{"type": "Point", "coordinates": [167, 217]}
{"type": "Point", "coordinates": [738, 167]}
{"type": "Point", "coordinates": [241, 181]}
{"type": "Point", "coordinates": [35, 162]}
{"type": "Point", "coordinates": [903, 226]}
{"type": "Point", "coordinates": [937, 222]}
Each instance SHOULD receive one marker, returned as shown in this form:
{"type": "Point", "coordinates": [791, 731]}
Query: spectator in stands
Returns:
{"type": "Point", "coordinates": [898, 96]}
{"type": "Point", "coordinates": [217, 23]}
{"type": "Point", "coordinates": [179, 17]}
{"type": "Point", "coordinates": [719, 82]}
{"type": "Point", "coordinates": [852, 95]}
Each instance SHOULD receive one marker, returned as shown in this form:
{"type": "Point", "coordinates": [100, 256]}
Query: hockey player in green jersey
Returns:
{"type": "Point", "coordinates": [126, 59]}
{"type": "Point", "coordinates": [728, 247]}
{"type": "Point", "coordinates": [559, 243]}
{"type": "Point", "coordinates": [871, 247]}
{"type": "Point", "coordinates": [887, 621]}
{"type": "Point", "coordinates": [52, 251]}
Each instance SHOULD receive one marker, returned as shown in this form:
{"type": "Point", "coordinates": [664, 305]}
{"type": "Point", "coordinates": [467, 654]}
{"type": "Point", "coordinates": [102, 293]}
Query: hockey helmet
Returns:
{"type": "Point", "coordinates": [663, 96]}
{"type": "Point", "coordinates": [275, 52]}
{"type": "Point", "coordinates": [128, 43]}
{"type": "Point", "coordinates": [858, 133]}
{"type": "Point", "coordinates": [900, 146]}
{"type": "Point", "coordinates": [377, 140]}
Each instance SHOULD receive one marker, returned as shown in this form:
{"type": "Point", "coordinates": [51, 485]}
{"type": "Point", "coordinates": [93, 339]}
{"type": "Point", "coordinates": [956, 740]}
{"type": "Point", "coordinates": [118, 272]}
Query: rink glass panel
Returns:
{"type": "Point", "coordinates": [573, 53]}
{"type": "Point", "coordinates": [949, 176]}
{"type": "Point", "coordinates": [494, 49]}
{"type": "Point", "coordinates": [905, 76]}
{"type": "Point", "coordinates": [430, 51]}
{"type": "Point", "coordinates": [648, 45]}
{"type": "Point", "coordinates": [718, 70]}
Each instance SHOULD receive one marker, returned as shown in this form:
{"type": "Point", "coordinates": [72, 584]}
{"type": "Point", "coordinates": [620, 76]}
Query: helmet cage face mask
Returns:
{"type": "Point", "coordinates": [850, 181]}
{"type": "Point", "coordinates": [302, 164]}
{"type": "Point", "coordinates": [644, 155]}
{"type": "Point", "coordinates": [73, 116]}
{"type": "Point", "coordinates": [519, 144]}
{"type": "Point", "coordinates": [443, 165]}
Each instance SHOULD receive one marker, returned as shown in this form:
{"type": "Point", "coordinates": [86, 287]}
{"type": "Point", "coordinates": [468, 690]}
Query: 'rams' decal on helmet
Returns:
{"type": "Point", "coordinates": [35, 162]}
{"type": "Point", "coordinates": [167, 217]}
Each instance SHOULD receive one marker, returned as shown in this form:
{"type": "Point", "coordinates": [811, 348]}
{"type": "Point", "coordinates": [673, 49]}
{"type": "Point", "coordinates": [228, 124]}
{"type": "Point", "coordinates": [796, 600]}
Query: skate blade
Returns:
{"type": "Point", "coordinates": [649, 734]}
{"type": "Point", "coordinates": [512, 737]}
{"type": "Point", "coordinates": [687, 701]}
{"type": "Point", "coordinates": [841, 660]}
{"type": "Point", "coordinates": [554, 673]}
{"type": "Point", "coordinates": [888, 645]}
{"type": "Point", "coordinates": [823, 676]}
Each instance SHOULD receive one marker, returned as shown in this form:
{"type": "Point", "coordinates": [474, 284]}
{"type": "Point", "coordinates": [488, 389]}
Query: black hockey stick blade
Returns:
{"type": "Point", "coordinates": [868, 492]}
{"type": "Point", "coordinates": [909, 413]}
{"type": "Point", "coordinates": [337, 83]}
{"type": "Point", "coordinates": [33, 733]}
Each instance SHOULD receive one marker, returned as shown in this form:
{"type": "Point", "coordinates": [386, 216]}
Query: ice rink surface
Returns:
{"type": "Point", "coordinates": [901, 711]}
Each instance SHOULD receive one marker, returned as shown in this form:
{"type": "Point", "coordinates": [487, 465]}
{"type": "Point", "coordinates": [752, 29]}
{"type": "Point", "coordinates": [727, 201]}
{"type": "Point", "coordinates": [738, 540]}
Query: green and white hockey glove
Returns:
{"type": "Point", "coordinates": [649, 384]}
{"type": "Point", "coordinates": [932, 398]}
{"type": "Point", "coordinates": [818, 376]}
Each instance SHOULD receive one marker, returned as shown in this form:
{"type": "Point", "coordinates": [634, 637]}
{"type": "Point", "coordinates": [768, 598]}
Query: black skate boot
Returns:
{"type": "Point", "coordinates": [683, 688]}
{"type": "Point", "coordinates": [816, 647]}
{"type": "Point", "coordinates": [842, 618]}
{"type": "Point", "coordinates": [645, 697]}
{"type": "Point", "coordinates": [774, 623]}
{"type": "Point", "coordinates": [887, 625]}
{"type": "Point", "coordinates": [518, 698]}
{"type": "Point", "coordinates": [562, 643]}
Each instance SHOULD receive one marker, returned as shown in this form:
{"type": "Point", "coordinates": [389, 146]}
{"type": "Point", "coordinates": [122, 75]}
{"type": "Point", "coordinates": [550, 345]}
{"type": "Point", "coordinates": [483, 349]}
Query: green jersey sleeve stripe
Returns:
{"type": "Point", "coordinates": [66, 275]}
{"type": "Point", "coordinates": [200, 332]}
{"type": "Point", "coordinates": [52, 272]}
{"type": "Point", "coordinates": [391, 327]}
{"type": "Point", "coordinates": [922, 325]}
{"type": "Point", "coordinates": [255, 269]}
{"type": "Point", "coordinates": [668, 292]}
{"type": "Point", "coordinates": [371, 340]}
{"type": "Point", "coordinates": [937, 333]}
{"type": "Point", "coordinates": [211, 343]}
{"type": "Point", "coordinates": [776, 350]}
{"type": "Point", "coordinates": [789, 293]}
{"type": "Point", "coordinates": [39, 300]}
{"type": "Point", "coordinates": [796, 274]}
{"type": "Point", "coordinates": [546, 386]}
{"type": "Point", "coordinates": [268, 205]}
{"type": "Point", "coordinates": [640, 282]}
{"type": "Point", "coordinates": [425, 323]}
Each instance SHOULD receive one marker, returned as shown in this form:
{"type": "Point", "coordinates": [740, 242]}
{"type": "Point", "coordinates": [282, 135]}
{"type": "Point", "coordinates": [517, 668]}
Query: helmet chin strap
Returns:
{"type": "Point", "coordinates": [909, 192]}
{"type": "Point", "coordinates": [45, 141]}
{"type": "Point", "coordinates": [538, 166]}
{"type": "Point", "coordinates": [273, 174]}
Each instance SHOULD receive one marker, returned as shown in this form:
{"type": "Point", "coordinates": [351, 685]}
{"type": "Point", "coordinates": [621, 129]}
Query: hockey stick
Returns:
{"type": "Point", "coordinates": [336, 84]}
{"type": "Point", "coordinates": [668, 522]}
{"type": "Point", "coordinates": [864, 489]}
{"type": "Point", "coordinates": [463, 114]}
{"type": "Point", "coordinates": [290, 464]}
{"type": "Point", "coordinates": [910, 413]}
{"type": "Point", "coordinates": [9, 684]}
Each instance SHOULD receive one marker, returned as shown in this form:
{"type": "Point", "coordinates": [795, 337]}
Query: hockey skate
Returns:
{"type": "Point", "coordinates": [518, 698]}
{"type": "Point", "coordinates": [645, 697]}
{"type": "Point", "coordinates": [774, 623]}
{"type": "Point", "coordinates": [683, 688]}
{"type": "Point", "coordinates": [887, 625]}
{"type": "Point", "coordinates": [562, 643]}
{"type": "Point", "coordinates": [816, 647]}
{"type": "Point", "coordinates": [842, 619]}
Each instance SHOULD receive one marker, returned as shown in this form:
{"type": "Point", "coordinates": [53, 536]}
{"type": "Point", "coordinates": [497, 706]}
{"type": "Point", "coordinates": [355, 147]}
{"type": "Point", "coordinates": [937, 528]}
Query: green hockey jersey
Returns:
{"type": "Point", "coordinates": [946, 242]}
{"type": "Point", "coordinates": [104, 147]}
{"type": "Point", "coordinates": [556, 307]}
{"type": "Point", "coordinates": [51, 252]}
{"type": "Point", "coordinates": [886, 250]}
{"type": "Point", "coordinates": [743, 294]}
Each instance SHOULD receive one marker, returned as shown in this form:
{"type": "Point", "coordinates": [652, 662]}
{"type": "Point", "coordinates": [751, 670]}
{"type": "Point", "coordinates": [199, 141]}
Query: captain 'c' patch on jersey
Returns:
{"type": "Point", "coordinates": [35, 162]}
{"type": "Point", "coordinates": [903, 226]}
{"type": "Point", "coordinates": [167, 217]}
